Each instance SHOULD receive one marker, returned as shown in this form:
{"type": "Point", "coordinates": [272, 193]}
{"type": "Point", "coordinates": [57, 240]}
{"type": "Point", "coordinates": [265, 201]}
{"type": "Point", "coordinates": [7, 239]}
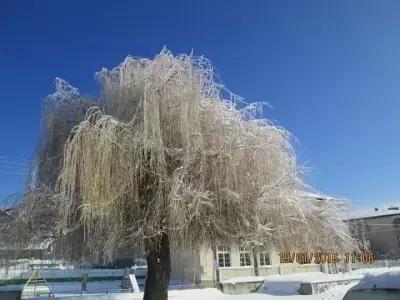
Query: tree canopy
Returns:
{"type": "Point", "coordinates": [165, 152]}
{"type": "Point", "coordinates": [168, 150]}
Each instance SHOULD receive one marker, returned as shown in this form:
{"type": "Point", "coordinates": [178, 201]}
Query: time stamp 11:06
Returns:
{"type": "Point", "coordinates": [366, 257]}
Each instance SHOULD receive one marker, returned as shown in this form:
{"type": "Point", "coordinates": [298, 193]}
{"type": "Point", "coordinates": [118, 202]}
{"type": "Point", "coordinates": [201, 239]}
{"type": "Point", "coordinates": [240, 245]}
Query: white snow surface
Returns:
{"type": "Point", "coordinates": [276, 287]}
{"type": "Point", "coordinates": [284, 287]}
{"type": "Point", "coordinates": [387, 280]}
{"type": "Point", "coordinates": [214, 294]}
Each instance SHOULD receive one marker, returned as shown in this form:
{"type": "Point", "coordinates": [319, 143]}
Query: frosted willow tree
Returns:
{"type": "Point", "coordinates": [165, 159]}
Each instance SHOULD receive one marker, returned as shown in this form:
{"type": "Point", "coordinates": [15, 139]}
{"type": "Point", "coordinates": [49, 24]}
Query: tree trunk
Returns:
{"type": "Point", "coordinates": [158, 268]}
{"type": "Point", "coordinates": [256, 270]}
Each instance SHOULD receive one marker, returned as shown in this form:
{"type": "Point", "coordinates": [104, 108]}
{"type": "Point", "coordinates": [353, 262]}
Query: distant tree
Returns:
{"type": "Point", "coordinates": [39, 217]}
{"type": "Point", "coordinates": [165, 159]}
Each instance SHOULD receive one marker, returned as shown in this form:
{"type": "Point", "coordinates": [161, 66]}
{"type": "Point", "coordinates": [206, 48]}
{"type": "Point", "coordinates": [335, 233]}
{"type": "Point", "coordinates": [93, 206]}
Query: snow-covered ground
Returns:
{"type": "Point", "coordinates": [284, 287]}
{"type": "Point", "coordinates": [336, 293]}
{"type": "Point", "coordinates": [214, 294]}
{"type": "Point", "coordinates": [276, 287]}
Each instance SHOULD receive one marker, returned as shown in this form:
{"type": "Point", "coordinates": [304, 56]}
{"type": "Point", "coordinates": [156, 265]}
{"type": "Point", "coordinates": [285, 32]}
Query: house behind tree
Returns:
{"type": "Point", "coordinates": [378, 231]}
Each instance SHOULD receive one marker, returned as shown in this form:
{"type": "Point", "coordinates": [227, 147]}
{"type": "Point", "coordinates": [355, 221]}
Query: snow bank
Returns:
{"type": "Point", "coordinates": [387, 280]}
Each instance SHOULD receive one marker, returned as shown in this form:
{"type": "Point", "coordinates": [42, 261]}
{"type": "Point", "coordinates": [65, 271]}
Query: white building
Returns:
{"type": "Point", "coordinates": [378, 231]}
{"type": "Point", "coordinates": [209, 266]}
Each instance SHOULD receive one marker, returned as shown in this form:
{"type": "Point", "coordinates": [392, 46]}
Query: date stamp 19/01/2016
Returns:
{"type": "Point", "coordinates": [366, 257]}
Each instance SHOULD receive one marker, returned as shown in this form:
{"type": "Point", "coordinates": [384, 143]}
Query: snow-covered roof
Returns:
{"type": "Point", "coordinates": [387, 280]}
{"type": "Point", "coordinates": [315, 195]}
{"type": "Point", "coordinates": [373, 214]}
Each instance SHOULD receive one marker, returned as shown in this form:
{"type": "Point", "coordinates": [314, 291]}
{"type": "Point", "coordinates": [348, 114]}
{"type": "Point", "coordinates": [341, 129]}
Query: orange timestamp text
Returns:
{"type": "Point", "coordinates": [365, 257]}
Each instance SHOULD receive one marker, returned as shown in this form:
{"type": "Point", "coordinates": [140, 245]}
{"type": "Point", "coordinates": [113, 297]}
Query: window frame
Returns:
{"type": "Point", "coordinates": [245, 257]}
{"type": "Point", "coordinates": [225, 253]}
{"type": "Point", "coordinates": [264, 259]}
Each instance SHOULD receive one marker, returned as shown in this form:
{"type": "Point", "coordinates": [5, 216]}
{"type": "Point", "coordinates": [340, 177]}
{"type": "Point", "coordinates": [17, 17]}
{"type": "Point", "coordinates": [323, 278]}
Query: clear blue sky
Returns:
{"type": "Point", "coordinates": [330, 69]}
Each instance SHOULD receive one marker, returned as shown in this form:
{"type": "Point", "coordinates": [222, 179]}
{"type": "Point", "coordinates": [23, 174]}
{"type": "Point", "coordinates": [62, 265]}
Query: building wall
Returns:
{"type": "Point", "coordinates": [207, 263]}
{"type": "Point", "coordinates": [209, 269]}
{"type": "Point", "coordinates": [269, 270]}
{"type": "Point", "coordinates": [297, 268]}
{"type": "Point", "coordinates": [185, 266]}
{"type": "Point", "coordinates": [380, 233]}
{"type": "Point", "coordinates": [238, 271]}
{"type": "Point", "coordinates": [384, 236]}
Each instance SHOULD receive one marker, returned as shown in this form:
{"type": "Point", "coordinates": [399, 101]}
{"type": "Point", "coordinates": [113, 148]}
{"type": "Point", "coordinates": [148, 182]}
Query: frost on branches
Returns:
{"type": "Point", "coordinates": [168, 156]}
{"type": "Point", "coordinates": [164, 153]}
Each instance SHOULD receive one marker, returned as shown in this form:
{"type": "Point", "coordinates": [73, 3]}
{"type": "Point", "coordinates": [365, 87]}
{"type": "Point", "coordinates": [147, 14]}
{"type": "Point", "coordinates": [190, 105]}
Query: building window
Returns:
{"type": "Point", "coordinates": [396, 223]}
{"type": "Point", "coordinates": [264, 258]}
{"type": "Point", "coordinates": [244, 257]}
{"type": "Point", "coordinates": [224, 256]}
{"type": "Point", "coordinates": [398, 240]}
